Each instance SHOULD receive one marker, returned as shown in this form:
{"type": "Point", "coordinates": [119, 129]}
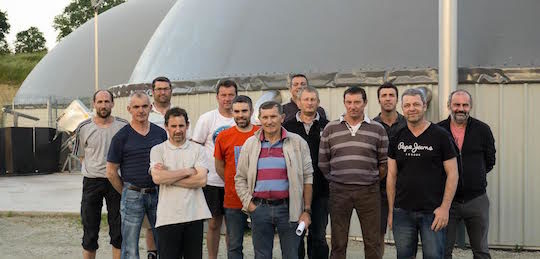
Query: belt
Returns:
{"type": "Point", "coordinates": [143, 190]}
{"type": "Point", "coordinates": [258, 201]}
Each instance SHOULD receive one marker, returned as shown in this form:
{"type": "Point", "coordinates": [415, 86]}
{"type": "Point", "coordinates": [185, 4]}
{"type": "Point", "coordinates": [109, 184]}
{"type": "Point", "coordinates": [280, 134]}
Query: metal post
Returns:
{"type": "Point", "coordinates": [96, 68]}
{"type": "Point", "coordinates": [447, 53]}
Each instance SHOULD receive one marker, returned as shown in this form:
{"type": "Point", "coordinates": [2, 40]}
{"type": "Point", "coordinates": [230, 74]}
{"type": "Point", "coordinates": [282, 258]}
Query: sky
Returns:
{"type": "Point", "coordinates": [22, 14]}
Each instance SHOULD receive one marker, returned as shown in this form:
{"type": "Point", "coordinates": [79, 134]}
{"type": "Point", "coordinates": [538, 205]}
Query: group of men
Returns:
{"type": "Point", "coordinates": [293, 170]}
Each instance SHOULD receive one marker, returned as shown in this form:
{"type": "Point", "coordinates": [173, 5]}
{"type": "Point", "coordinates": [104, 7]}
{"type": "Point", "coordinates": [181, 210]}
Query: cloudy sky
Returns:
{"type": "Point", "coordinates": [22, 14]}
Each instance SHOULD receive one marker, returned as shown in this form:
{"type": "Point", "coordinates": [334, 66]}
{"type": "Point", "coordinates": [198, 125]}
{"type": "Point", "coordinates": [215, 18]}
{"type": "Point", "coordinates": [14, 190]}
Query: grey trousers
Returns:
{"type": "Point", "coordinates": [475, 214]}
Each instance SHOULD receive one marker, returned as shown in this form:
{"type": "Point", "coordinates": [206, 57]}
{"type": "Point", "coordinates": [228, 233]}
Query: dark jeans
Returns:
{"type": "Point", "coordinates": [317, 247]}
{"type": "Point", "coordinates": [475, 214]}
{"type": "Point", "coordinates": [182, 240]}
{"type": "Point", "coordinates": [236, 222]}
{"type": "Point", "coordinates": [133, 206]}
{"type": "Point", "coordinates": [264, 221]}
{"type": "Point", "coordinates": [94, 190]}
{"type": "Point", "coordinates": [366, 200]}
{"type": "Point", "coordinates": [407, 224]}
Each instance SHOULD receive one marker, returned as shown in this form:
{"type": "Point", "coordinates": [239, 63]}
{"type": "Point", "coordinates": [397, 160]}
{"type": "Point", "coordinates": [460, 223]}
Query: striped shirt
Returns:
{"type": "Point", "coordinates": [352, 156]}
{"type": "Point", "coordinates": [272, 181]}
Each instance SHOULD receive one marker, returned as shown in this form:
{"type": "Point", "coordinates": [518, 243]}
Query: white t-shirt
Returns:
{"type": "Point", "coordinates": [178, 204]}
{"type": "Point", "coordinates": [206, 131]}
{"type": "Point", "coordinates": [158, 118]}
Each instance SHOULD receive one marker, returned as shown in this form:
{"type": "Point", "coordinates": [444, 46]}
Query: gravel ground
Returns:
{"type": "Point", "coordinates": [59, 236]}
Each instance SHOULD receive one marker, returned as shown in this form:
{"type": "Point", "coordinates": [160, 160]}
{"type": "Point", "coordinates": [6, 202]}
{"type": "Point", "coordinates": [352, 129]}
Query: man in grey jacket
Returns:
{"type": "Point", "coordinates": [274, 182]}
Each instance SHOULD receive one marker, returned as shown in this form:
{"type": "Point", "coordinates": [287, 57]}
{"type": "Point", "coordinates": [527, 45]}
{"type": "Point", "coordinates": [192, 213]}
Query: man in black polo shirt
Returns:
{"type": "Point", "coordinates": [130, 152]}
{"type": "Point", "coordinates": [297, 82]}
{"type": "Point", "coordinates": [422, 179]}
{"type": "Point", "coordinates": [309, 124]}
{"type": "Point", "coordinates": [392, 122]}
{"type": "Point", "coordinates": [477, 152]}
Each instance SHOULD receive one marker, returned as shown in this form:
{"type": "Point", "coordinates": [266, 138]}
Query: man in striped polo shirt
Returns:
{"type": "Point", "coordinates": [352, 156]}
{"type": "Point", "coordinates": [274, 182]}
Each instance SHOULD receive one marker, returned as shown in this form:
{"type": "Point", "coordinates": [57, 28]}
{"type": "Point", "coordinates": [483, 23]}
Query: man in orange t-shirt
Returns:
{"type": "Point", "coordinates": [227, 149]}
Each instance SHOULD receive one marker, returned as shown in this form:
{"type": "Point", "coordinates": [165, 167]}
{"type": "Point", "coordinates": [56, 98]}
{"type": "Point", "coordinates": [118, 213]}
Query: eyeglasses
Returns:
{"type": "Point", "coordinates": [162, 89]}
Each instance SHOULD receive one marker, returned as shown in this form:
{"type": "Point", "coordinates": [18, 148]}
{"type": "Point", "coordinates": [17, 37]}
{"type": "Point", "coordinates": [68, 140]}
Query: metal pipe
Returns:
{"type": "Point", "coordinates": [447, 53]}
{"type": "Point", "coordinates": [96, 68]}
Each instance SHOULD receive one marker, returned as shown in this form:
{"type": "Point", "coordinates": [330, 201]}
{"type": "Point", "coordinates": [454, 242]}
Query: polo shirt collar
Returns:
{"type": "Point", "coordinates": [283, 134]}
{"type": "Point", "coordinates": [317, 117]}
{"type": "Point", "coordinates": [173, 147]}
{"type": "Point", "coordinates": [366, 118]}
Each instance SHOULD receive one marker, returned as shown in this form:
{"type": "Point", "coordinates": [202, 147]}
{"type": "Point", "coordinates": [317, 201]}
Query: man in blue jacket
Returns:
{"type": "Point", "coordinates": [477, 154]}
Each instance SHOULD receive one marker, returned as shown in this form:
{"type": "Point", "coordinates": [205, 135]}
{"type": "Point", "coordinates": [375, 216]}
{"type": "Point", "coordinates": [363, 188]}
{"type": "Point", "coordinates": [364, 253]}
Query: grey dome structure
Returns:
{"type": "Point", "coordinates": [67, 71]}
{"type": "Point", "coordinates": [201, 40]}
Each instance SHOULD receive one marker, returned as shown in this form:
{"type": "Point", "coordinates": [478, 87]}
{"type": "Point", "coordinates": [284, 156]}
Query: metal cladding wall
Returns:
{"type": "Point", "coordinates": [509, 109]}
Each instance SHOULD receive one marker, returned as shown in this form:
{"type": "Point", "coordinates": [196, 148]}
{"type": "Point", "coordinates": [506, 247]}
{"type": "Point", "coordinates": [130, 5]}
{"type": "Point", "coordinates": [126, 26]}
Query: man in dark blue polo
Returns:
{"type": "Point", "coordinates": [130, 152]}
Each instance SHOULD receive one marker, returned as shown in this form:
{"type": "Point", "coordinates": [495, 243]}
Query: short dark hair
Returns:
{"type": "Point", "coordinates": [385, 86]}
{"type": "Point", "coordinates": [226, 84]}
{"type": "Point", "coordinates": [160, 79]}
{"type": "Point", "coordinates": [243, 99]}
{"type": "Point", "coordinates": [176, 112]}
{"type": "Point", "coordinates": [270, 105]}
{"type": "Point", "coordinates": [355, 90]}
{"type": "Point", "coordinates": [103, 90]}
{"type": "Point", "coordinates": [293, 76]}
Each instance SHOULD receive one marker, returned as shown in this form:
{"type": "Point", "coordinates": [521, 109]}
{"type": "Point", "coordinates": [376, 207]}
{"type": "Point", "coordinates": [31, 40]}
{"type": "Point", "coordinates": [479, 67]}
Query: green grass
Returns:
{"type": "Point", "coordinates": [15, 67]}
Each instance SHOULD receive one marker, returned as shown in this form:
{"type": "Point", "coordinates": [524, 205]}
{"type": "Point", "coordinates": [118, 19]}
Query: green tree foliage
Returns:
{"type": "Point", "coordinates": [29, 41]}
{"type": "Point", "coordinates": [4, 29]}
{"type": "Point", "coordinates": [4, 25]}
{"type": "Point", "coordinates": [77, 13]}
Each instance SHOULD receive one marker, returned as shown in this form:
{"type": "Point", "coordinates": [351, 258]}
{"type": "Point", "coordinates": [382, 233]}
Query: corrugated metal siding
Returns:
{"type": "Point", "coordinates": [510, 110]}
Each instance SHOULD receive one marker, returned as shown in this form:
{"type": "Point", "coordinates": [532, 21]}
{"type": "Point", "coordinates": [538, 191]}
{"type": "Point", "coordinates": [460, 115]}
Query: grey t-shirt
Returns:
{"type": "Point", "coordinates": [92, 143]}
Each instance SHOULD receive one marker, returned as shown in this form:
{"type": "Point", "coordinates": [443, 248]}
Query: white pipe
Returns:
{"type": "Point", "coordinates": [447, 53]}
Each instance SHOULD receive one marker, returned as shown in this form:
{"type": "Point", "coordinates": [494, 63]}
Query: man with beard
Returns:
{"type": "Point", "coordinates": [392, 122]}
{"type": "Point", "coordinates": [297, 82]}
{"type": "Point", "coordinates": [91, 146]}
{"type": "Point", "coordinates": [422, 179]}
{"type": "Point", "coordinates": [477, 153]}
{"type": "Point", "coordinates": [208, 127]}
{"type": "Point", "coordinates": [308, 124]}
{"type": "Point", "coordinates": [179, 167]}
{"type": "Point", "coordinates": [130, 152]}
{"type": "Point", "coordinates": [228, 145]}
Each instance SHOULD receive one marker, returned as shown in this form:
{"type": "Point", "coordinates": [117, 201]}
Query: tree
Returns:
{"type": "Point", "coordinates": [4, 29]}
{"type": "Point", "coordinates": [77, 13]}
{"type": "Point", "coordinates": [31, 40]}
{"type": "Point", "coordinates": [4, 25]}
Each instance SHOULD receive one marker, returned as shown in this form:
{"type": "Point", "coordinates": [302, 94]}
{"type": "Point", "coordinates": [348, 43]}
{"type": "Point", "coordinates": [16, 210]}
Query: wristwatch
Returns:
{"type": "Point", "coordinates": [308, 211]}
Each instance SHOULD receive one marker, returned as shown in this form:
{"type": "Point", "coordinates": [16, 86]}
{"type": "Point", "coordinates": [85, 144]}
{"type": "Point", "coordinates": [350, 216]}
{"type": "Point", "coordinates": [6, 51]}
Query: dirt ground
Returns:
{"type": "Point", "coordinates": [59, 236]}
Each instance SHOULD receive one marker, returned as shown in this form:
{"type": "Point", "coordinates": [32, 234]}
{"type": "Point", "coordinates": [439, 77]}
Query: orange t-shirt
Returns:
{"type": "Point", "coordinates": [227, 148]}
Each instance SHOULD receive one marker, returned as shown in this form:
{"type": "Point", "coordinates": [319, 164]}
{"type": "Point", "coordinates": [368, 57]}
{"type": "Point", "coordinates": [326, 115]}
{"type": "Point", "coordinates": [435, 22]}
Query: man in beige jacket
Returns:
{"type": "Point", "coordinates": [274, 182]}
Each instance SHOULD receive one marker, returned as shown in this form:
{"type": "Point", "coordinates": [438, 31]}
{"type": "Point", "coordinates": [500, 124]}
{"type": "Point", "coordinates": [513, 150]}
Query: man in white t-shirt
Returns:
{"type": "Point", "coordinates": [209, 125]}
{"type": "Point", "coordinates": [180, 169]}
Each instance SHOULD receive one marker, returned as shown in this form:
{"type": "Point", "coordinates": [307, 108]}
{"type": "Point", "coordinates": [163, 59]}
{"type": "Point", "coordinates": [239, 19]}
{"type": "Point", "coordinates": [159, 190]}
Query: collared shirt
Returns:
{"type": "Point", "coordinates": [307, 126]}
{"type": "Point", "coordinates": [352, 156]}
{"type": "Point", "coordinates": [157, 117]}
{"type": "Point", "coordinates": [354, 129]}
{"type": "Point", "coordinates": [178, 204]}
{"type": "Point", "coordinates": [272, 181]}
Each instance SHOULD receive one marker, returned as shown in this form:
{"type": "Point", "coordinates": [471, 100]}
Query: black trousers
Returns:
{"type": "Point", "coordinates": [94, 190]}
{"type": "Point", "coordinates": [182, 240]}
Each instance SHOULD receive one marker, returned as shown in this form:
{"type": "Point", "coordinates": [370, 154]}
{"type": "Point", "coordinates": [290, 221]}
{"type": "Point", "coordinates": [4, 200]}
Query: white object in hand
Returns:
{"type": "Point", "coordinates": [300, 228]}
